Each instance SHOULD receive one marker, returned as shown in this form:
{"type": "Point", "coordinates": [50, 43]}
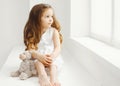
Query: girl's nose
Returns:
{"type": "Point", "coordinates": [50, 19]}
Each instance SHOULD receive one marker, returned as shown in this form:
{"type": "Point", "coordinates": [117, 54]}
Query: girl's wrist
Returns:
{"type": "Point", "coordinates": [53, 55]}
{"type": "Point", "coordinates": [40, 56]}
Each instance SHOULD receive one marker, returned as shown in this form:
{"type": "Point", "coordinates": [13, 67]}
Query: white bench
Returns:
{"type": "Point", "coordinates": [12, 64]}
{"type": "Point", "coordinates": [73, 74]}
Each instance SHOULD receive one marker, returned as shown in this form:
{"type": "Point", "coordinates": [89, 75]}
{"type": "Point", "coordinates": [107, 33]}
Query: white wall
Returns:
{"type": "Point", "coordinates": [80, 17]}
{"type": "Point", "coordinates": [13, 15]}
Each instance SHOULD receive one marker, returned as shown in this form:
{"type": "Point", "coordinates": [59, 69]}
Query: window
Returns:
{"type": "Point", "coordinates": [105, 21]}
{"type": "Point", "coordinates": [101, 19]}
{"type": "Point", "coordinates": [116, 37]}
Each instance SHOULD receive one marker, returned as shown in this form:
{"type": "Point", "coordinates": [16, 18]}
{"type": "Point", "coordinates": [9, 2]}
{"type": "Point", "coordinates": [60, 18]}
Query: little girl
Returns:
{"type": "Point", "coordinates": [43, 39]}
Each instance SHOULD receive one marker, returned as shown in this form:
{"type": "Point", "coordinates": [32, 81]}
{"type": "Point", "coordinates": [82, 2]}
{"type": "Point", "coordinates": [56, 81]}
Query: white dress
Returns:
{"type": "Point", "coordinates": [46, 46]}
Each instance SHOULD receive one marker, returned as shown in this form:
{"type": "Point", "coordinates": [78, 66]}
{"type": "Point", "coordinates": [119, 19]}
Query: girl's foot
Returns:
{"type": "Point", "coordinates": [56, 84]}
{"type": "Point", "coordinates": [44, 82]}
{"type": "Point", "coordinates": [54, 76]}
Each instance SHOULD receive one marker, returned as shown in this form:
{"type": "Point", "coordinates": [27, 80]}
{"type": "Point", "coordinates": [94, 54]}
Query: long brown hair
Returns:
{"type": "Point", "coordinates": [32, 29]}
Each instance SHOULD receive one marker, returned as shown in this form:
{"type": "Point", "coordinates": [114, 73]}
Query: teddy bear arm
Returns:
{"type": "Point", "coordinates": [15, 74]}
{"type": "Point", "coordinates": [23, 76]}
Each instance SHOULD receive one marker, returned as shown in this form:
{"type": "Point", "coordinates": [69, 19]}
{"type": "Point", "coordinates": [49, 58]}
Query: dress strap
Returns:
{"type": "Point", "coordinates": [51, 31]}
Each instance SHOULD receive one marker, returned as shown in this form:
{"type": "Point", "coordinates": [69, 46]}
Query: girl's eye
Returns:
{"type": "Point", "coordinates": [47, 16]}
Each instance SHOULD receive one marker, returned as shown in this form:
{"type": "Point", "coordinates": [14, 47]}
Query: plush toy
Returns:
{"type": "Point", "coordinates": [27, 67]}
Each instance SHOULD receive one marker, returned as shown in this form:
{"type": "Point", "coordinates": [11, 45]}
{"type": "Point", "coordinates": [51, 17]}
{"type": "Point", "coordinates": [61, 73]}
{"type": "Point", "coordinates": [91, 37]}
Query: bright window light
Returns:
{"type": "Point", "coordinates": [101, 19]}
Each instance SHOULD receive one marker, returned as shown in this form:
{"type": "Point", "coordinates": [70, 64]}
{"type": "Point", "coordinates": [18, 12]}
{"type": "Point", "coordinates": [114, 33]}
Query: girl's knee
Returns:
{"type": "Point", "coordinates": [38, 63]}
{"type": "Point", "coordinates": [53, 66]}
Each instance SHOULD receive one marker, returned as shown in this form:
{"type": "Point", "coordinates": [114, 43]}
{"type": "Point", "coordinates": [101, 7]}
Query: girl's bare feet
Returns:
{"type": "Point", "coordinates": [54, 76]}
{"type": "Point", "coordinates": [56, 84]}
{"type": "Point", "coordinates": [44, 81]}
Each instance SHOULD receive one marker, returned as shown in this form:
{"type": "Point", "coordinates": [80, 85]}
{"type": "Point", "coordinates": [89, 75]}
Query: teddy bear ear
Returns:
{"type": "Point", "coordinates": [22, 56]}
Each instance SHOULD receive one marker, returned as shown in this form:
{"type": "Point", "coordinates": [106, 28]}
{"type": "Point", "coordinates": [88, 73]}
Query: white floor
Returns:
{"type": "Point", "coordinates": [72, 74]}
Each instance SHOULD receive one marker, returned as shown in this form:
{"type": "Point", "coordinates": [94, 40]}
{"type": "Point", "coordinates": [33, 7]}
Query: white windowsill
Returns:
{"type": "Point", "coordinates": [107, 52]}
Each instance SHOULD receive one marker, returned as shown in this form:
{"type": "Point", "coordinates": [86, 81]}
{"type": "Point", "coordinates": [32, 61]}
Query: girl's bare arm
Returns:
{"type": "Point", "coordinates": [57, 46]}
{"type": "Point", "coordinates": [42, 58]}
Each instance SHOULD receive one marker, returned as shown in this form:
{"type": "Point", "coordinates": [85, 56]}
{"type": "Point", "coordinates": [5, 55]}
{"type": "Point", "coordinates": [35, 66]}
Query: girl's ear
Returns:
{"type": "Point", "coordinates": [61, 38]}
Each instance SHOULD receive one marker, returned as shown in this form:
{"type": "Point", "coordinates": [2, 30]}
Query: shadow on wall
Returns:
{"type": "Point", "coordinates": [12, 20]}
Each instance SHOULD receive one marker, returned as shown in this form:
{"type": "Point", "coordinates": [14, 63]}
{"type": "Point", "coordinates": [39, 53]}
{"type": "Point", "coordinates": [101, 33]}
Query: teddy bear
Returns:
{"type": "Point", "coordinates": [27, 67]}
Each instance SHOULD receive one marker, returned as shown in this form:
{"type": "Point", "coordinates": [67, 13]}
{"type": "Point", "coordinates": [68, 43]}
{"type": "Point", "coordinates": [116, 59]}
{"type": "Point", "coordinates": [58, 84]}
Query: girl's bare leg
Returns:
{"type": "Point", "coordinates": [44, 81]}
{"type": "Point", "coordinates": [54, 76]}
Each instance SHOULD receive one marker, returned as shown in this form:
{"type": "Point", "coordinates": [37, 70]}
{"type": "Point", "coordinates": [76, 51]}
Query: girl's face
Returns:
{"type": "Point", "coordinates": [47, 18]}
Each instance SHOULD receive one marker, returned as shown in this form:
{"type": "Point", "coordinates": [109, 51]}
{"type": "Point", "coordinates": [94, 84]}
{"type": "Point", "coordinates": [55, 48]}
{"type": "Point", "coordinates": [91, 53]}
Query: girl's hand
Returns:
{"type": "Point", "coordinates": [50, 56]}
{"type": "Point", "coordinates": [46, 60]}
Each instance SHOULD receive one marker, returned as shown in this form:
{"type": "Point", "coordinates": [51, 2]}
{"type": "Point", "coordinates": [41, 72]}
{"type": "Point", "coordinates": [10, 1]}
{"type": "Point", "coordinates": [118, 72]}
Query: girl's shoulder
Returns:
{"type": "Point", "coordinates": [54, 29]}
